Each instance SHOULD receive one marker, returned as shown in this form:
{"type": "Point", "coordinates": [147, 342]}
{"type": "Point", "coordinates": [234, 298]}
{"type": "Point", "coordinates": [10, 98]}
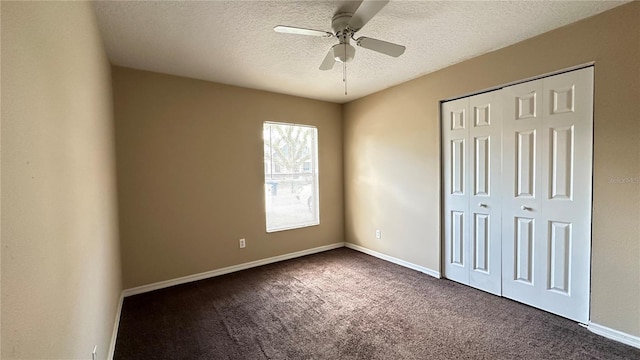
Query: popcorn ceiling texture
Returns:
{"type": "Point", "coordinates": [233, 42]}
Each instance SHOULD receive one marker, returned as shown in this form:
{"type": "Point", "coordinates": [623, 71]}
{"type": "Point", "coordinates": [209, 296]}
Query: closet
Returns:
{"type": "Point", "coordinates": [517, 183]}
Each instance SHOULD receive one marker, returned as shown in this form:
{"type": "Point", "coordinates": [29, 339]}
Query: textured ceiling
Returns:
{"type": "Point", "coordinates": [233, 42]}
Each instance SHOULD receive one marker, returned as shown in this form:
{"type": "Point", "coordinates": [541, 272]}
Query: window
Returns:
{"type": "Point", "coordinates": [290, 176]}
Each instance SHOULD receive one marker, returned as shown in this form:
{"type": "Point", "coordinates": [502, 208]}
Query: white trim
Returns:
{"type": "Point", "coordinates": [422, 269]}
{"type": "Point", "coordinates": [516, 82]}
{"type": "Point", "coordinates": [226, 270]}
{"type": "Point", "coordinates": [116, 326]}
{"type": "Point", "coordinates": [616, 335]}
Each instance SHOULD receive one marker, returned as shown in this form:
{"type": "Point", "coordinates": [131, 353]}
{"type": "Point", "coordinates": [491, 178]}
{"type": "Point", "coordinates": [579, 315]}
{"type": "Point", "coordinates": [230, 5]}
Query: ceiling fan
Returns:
{"type": "Point", "coordinates": [344, 26]}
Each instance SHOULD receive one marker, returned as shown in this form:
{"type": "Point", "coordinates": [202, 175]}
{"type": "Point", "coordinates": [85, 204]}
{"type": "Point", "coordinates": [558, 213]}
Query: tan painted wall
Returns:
{"type": "Point", "coordinates": [190, 174]}
{"type": "Point", "coordinates": [60, 254]}
{"type": "Point", "coordinates": [392, 153]}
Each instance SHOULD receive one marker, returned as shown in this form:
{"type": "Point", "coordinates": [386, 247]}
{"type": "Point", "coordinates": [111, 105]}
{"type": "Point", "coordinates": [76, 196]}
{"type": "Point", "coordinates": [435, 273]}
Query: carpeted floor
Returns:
{"type": "Point", "coordinates": [343, 304]}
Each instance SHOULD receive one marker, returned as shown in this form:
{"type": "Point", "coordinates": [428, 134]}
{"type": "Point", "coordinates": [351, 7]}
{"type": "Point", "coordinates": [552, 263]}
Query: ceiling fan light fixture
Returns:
{"type": "Point", "coordinates": [343, 52]}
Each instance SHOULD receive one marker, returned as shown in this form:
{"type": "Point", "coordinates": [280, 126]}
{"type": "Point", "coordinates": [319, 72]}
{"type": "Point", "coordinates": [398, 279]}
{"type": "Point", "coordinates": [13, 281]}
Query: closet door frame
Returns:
{"type": "Point", "coordinates": [541, 226]}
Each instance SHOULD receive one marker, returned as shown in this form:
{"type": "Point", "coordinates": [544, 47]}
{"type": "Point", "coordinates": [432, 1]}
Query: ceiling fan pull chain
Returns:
{"type": "Point", "coordinates": [344, 76]}
{"type": "Point", "coordinates": [344, 71]}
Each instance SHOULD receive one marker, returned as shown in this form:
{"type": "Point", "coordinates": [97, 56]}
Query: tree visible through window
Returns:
{"type": "Point", "coordinates": [290, 175]}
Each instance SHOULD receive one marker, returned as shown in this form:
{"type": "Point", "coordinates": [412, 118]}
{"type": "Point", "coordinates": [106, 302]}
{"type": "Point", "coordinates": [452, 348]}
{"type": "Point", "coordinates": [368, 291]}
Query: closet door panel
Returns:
{"type": "Point", "coordinates": [521, 203]}
{"type": "Point", "coordinates": [567, 143]}
{"type": "Point", "coordinates": [548, 264]}
{"type": "Point", "coordinates": [484, 196]}
{"type": "Point", "coordinates": [455, 133]}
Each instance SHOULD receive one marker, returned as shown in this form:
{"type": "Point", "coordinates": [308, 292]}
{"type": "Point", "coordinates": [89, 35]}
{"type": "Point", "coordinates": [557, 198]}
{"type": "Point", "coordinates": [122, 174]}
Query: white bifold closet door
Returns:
{"type": "Point", "coordinates": [472, 129]}
{"type": "Point", "coordinates": [517, 182]}
{"type": "Point", "coordinates": [546, 215]}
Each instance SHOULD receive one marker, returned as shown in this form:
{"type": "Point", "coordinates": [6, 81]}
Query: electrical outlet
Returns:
{"type": "Point", "coordinates": [94, 354]}
{"type": "Point", "coordinates": [378, 234]}
{"type": "Point", "coordinates": [242, 244]}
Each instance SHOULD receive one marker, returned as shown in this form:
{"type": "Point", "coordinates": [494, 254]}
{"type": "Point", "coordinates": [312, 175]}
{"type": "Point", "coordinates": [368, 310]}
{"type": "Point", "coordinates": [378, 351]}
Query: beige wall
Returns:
{"type": "Point", "coordinates": [392, 153]}
{"type": "Point", "coordinates": [191, 184]}
{"type": "Point", "coordinates": [190, 174]}
{"type": "Point", "coordinates": [60, 256]}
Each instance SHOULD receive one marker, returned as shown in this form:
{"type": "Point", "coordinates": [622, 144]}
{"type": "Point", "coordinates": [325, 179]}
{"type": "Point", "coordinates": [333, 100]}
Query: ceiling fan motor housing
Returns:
{"type": "Point", "coordinates": [339, 22]}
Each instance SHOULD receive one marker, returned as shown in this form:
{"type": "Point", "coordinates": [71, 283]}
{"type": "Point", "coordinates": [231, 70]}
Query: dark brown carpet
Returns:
{"type": "Point", "coordinates": [343, 304]}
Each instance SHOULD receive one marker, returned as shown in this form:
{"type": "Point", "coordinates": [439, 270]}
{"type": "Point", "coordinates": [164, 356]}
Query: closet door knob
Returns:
{"type": "Point", "coordinates": [525, 208]}
{"type": "Point", "coordinates": [482, 205]}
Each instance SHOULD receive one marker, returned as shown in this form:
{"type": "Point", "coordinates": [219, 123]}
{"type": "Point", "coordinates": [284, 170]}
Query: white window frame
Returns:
{"type": "Point", "coordinates": [315, 183]}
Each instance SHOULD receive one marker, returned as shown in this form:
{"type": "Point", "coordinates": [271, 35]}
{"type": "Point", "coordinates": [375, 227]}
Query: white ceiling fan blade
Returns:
{"type": "Point", "coordinates": [329, 61]}
{"type": "Point", "coordinates": [380, 46]}
{"type": "Point", "coordinates": [367, 10]}
{"type": "Point", "coordinates": [301, 31]}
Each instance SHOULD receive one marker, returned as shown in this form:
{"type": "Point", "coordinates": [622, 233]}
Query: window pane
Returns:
{"type": "Point", "coordinates": [290, 176]}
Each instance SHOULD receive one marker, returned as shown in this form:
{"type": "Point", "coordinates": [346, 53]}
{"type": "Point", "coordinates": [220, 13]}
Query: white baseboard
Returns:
{"type": "Point", "coordinates": [226, 270]}
{"type": "Point", "coordinates": [616, 335]}
{"type": "Point", "coordinates": [116, 326]}
{"type": "Point", "coordinates": [422, 269]}
{"type": "Point", "coordinates": [609, 333]}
